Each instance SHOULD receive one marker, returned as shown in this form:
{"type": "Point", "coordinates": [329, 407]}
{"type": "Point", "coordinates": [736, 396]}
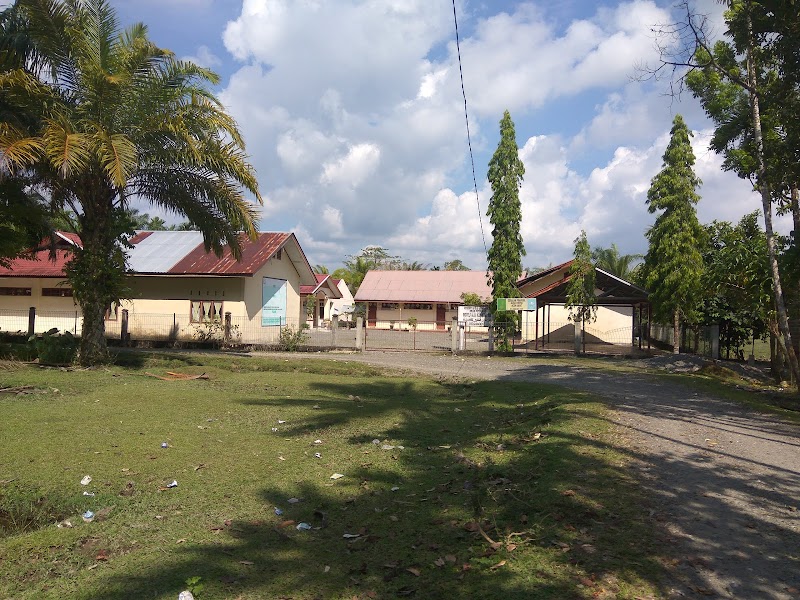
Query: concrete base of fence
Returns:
{"type": "Point", "coordinates": [359, 333]}
{"type": "Point", "coordinates": [577, 336]}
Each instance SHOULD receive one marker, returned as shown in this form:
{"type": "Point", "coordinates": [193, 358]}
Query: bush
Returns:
{"type": "Point", "coordinates": [412, 322]}
{"type": "Point", "coordinates": [291, 339]}
{"type": "Point", "coordinates": [54, 348]}
{"type": "Point", "coordinates": [24, 510]}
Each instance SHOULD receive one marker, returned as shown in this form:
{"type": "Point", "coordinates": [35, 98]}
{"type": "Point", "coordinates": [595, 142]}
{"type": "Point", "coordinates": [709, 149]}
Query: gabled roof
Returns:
{"type": "Point", "coordinates": [611, 289]}
{"type": "Point", "coordinates": [422, 286]}
{"type": "Point", "coordinates": [323, 281]}
{"type": "Point", "coordinates": [179, 253]}
{"type": "Point", "coordinates": [41, 263]}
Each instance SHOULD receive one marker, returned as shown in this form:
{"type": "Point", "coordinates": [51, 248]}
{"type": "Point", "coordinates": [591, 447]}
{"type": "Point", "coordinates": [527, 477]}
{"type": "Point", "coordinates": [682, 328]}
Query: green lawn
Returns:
{"type": "Point", "coordinates": [500, 489]}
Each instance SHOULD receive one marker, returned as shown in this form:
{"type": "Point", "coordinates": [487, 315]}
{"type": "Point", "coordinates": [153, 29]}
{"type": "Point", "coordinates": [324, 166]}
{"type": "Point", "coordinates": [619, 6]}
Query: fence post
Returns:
{"type": "Point", "coordinates": [576, 324]}
{"type": "Point", "coordinates": [334, 327]}
{"type": "Point", "coordinates": [123, 328]}
{"type": "Point", "coordinates": [226, 336]}
{"type": "Point", "coordinates": [714, 333]}
{"type": "Point", "coordinates": [31, 320]}
{"type": "Point", "coordinates": [359, 333]}
{"type": "Point", "coordinates": [454, 336]}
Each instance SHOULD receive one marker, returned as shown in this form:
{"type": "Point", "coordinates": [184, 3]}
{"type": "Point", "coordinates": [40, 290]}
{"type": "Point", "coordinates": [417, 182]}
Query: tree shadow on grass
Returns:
{"type": "Point", "coordinates": [491, 490]}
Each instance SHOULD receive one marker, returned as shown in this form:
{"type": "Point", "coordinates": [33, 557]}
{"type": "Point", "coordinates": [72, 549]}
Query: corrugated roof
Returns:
{"type": "Point", "coordinates": [175, 253]}
{"type": "Point", "coordinates": [422, 286]}
{"type": "Point", "coordinates": [159, 251]}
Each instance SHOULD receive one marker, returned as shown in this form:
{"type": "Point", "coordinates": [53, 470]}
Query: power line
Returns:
{"type": "Point", "coordinates": [469, 138]}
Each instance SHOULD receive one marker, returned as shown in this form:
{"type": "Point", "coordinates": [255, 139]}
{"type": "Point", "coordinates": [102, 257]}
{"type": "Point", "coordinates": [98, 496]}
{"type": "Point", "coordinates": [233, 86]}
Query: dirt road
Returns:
{"type": "Point", "coordinates": [724, 480]}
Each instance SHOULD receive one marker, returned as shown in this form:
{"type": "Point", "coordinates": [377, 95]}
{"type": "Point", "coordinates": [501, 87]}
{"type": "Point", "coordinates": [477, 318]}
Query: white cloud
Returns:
{"type": "Point", "coordinates": [204, 57]}
{"type": "Point", "coordinates": [351, 170]}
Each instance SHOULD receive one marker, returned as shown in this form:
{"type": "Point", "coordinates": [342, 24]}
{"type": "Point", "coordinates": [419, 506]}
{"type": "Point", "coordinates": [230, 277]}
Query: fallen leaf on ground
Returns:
{"type": "Point", "coordinates": [450, 558]}
{"type": "Point", "coordinates": [414, 571]}
{"type": "Point", "coordinates": [439, 562]}
{"type": "Point", "coordinates": [498, 565]}
{"type": "Point", "coordinates": [246, 562]}
{"type": "Point", "coordinates": [568, 493]}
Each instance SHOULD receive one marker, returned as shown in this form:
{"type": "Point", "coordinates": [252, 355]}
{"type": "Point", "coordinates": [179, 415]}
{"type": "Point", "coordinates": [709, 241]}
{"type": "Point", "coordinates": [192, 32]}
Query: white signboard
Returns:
{"type": "Point", "coordinates": [476, 316]}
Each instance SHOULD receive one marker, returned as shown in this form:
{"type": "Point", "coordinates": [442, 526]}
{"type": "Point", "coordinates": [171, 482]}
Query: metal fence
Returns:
{"type": "Point", "coordinates": [695, 340]}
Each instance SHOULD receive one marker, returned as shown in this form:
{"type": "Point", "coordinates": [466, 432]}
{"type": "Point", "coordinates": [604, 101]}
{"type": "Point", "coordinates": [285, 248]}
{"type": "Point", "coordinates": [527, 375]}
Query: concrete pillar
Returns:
{"type": "Point", "coordinates": [491, 338]}
{"type": "Point", "coordinates": [359, 333]}
{"type": "Point", "coordinates": [123, 328]}
{"type": "Point", "coordinates": [454, 336]}
{"type": "Point", "coordinates": [334, 327]}
{"type": "Point", "coordinates": [31, 320]}
{"type": "Point", "coordinates": [577, 339]}
{"type": "Point", "coordinates": [714, 333]}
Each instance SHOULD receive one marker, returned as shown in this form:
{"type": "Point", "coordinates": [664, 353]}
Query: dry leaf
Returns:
{"type": "Point", "coordinates": [511, 547]}
{"type": "Point", "coordinates": [498, 565]}
{"type": "Point", "coordinates": [101, 555]}
{"type": "Point", "coordinates": [568, 493]}
{"type": "Point", "coordinates": [450, 558]}
{"type": "Point", "coordinates": [472, 526]}
{"type": "Point", "coordinates": [181, 541]}
{"type": "Point", "coordinates": [439, 562]}
{"type": "Point", "coordinates": [414, 571]}
{"type": "Point", "coordinates": [246, 562]}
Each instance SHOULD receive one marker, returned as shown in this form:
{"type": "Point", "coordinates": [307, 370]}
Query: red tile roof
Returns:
{"type": "Point", "coordinates": [42, 264]}
{"type": "Point", "coordinates": [254, 255]}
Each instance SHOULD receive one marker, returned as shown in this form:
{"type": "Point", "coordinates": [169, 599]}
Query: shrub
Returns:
{"type": "Point", "coordinates": [412, 322]}
{"type": "Point", "coordinates": [54, 348]}
{"type": "Point", "coordinates": [24, 509]}
{"type": "Point", "coordinates": [291, 339]}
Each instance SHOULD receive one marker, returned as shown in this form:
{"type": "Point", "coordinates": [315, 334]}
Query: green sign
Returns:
{"type": "Point", "coordinates": [516, 304]}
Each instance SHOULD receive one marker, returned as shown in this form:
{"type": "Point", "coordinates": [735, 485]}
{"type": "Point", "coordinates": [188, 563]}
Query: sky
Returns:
{"type": "Point", "coordinates": [353, 116]}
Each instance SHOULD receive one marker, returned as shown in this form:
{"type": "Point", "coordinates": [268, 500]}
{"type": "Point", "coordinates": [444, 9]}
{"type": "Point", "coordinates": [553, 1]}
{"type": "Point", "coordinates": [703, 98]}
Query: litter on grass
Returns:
{"type": "Point", "coordinates": [278, 511]}
{"type": "Point", "coordinates": [317, 455]}
{"type": "Point", "coordinates": [337, 476]}
{"type": "Point", "coordinates": [172, 484]}
{"type": "Point", "coordinates": [376, 441]}
{"type": "Point", "coordinates": [303, 526]}
{"type": "Point", "coordinates": [281, 422]}
{"type": "Point", "coordinates": [164, 445]}
{"type": "Point", "coordinates": [86, 480]}
{"type": "Point", "coordinates": [293, 500]}
{"type": "Point", "coordinates": [317, 442]}
{"type": "Point", "coordinates": [185, 595]}
{"type": "Point", "coordinates": [88, 516]}
{"type": "Point", "coordinates": [88, 493]}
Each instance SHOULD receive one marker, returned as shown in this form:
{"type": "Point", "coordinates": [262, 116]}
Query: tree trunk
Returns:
{"type": "Point", "coordinates": [766, 201]}
{"type": "Point", "coordinates": [93, 348]}
{"type": "Point", "coordinates": [676, 333]}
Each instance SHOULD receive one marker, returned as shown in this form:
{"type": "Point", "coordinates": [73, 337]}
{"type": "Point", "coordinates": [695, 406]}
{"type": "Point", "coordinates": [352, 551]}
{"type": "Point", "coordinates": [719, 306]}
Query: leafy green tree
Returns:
{"type": "Point", "coordinates": [750, 85]}
{"type": "Point", "coordinates": [505, 174]}
{"type": "Point", "coordinates": [455, 265]}
{"type": "Point", "coordinates": [24, 220]}
{"type": "Point", "coordinates": [619, 265]}
{"type": "Point", "coordinates": [472, 299]}
{"type": "Point", "coordinates": [738, 284]}
{"type": "Point", "coordinates": [95, 116]}
{"type": "Point", "coordinates": [674, 264]}
{"type": "Point", "coordinates": [356, 266]}
{"type": "Point", "coordinates": [320, 269]}
{"type": "Point", "coordinates": [581, 298]}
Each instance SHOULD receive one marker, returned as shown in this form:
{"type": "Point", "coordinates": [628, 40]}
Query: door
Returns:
{"type": "Point", "coordinates": [441, 316]}
{"type": "Point", "coordinates": [372, 314]}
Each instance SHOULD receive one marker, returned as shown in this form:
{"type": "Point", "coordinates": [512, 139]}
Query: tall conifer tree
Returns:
{"type": "Point", "coordinates": [674, 262]}
{"type": "Point", "coordinates": [505, 215]}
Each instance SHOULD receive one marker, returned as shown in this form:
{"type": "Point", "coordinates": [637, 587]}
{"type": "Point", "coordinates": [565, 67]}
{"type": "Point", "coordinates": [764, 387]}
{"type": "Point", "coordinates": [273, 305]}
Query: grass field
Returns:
{"type": "Point", "coordinates": [475, 489]}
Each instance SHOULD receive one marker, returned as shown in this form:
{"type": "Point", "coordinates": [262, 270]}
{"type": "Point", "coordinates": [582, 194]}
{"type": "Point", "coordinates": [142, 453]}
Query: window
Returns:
{"type": "Point", "coordinates": [59, 292]}
{"type": "Point", "coordinates": [15, 291]}
{"type": "Point", "coordinates": [418, 306]}
{"type": "Point", "coordinates": [389, 305]}
{"type": "Point", "coordinates": [203, 311]}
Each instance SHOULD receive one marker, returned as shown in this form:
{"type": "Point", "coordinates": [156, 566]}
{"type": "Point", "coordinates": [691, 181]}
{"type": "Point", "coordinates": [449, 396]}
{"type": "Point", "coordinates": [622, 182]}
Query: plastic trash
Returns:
{"type": "Point", "coordinates": [65, 524]}
{"type": "Point", "coordinates": [164, 445]}
{"type": "Point", "coordinates": [395, 488]}
{"type": "Point", "coordinates": [173, 483]}
{"type": "Point", "coordinates": [317, 455]}
{"type": "Point", "coordinates": [185, 595]}
{"type": "Point", "coordinates": [317, 442]}
{"type": "Point", "coordinates": [281, 422]}
{"type": "Point", "coordinates": [293, 500]}
{"type": "Point", "coordinates": [88, 493]}
{"type": "Point", "coordinates": [303, 526]}
{"type": "Point", "coordinates": [86, 480]}
{"type": "Point", "coordinates": [278, 511]}
{"type": "Point", "coordinates": [274, 429]}
{"type": "Point", "coordinates": [387, 447]}
{"type": "Point", "coordinates": [376, 441]}
{"type": "Point", "coordinates": [88, 516]}
{"type": "Point", "coordinates": [337, 476]}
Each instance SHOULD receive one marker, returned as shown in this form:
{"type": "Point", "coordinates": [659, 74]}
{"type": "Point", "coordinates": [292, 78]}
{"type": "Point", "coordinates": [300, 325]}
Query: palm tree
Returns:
{"type": "Point", "coordinates": [611, 261]}
{"type": "Point", "coordinates": [94, 117]}
{"type": "Point", "coordinates": [321, 269]}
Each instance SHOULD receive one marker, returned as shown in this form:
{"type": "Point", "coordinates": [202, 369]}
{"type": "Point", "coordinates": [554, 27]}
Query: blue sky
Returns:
{"type": "Point", "coordinates": [353, 117]}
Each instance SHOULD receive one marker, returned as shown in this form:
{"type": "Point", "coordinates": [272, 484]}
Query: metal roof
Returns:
{"type": "Point", "coordinates": [159, 251]}
{"type": "Point", "coordinates": [177, 253]}
{"type": "Point", "coordinates": [422, 286]}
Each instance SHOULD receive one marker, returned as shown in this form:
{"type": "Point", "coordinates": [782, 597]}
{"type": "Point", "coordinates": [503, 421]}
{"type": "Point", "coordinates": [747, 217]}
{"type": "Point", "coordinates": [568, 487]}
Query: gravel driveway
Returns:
{"type": "Point", "coordinates": [725, 481]}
